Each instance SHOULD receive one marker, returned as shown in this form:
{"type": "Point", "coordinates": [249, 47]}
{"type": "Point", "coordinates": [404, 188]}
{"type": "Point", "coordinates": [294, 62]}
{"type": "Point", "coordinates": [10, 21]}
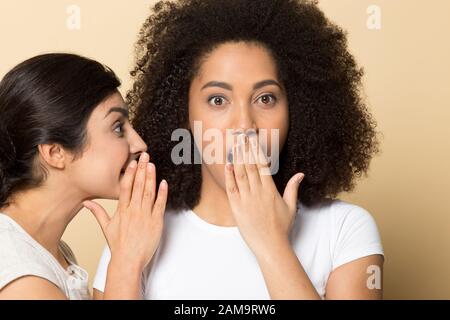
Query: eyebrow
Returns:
{"type": "Point", "coordinates": [264, 83]}
{"type": "Point", "coordinates": [229, 87]}
{"type": "Point", "coordinates": [219, 84]}
{"type": "Point", "coordinates": [121, 110]}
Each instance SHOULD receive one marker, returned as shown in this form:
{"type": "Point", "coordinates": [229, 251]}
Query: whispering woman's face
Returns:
{"type": "Point", "coordinates": [237, 89]}
{"type": "Point", "coordinates": [111, 144]}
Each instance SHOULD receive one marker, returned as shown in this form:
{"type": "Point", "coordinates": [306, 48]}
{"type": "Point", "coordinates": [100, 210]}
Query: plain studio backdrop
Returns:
{"type": "Point", "coordinates": [404, 48]}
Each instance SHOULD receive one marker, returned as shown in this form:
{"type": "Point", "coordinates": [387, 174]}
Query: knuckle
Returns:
{"type": "Point", "coordinates": [142, 165]}
{"type": "Point", "coordinates": [158, 206]}
{"type": "Point", "coordinates": [125, 187]}
{"type": "Point", "coordinates": [148, 194]}
{"type": "Point", "coordinates": [138, 184]}
{"type": "Point", "coordinates": [232, 189]}
{"type": "Point", "coordinates": [158, 222]}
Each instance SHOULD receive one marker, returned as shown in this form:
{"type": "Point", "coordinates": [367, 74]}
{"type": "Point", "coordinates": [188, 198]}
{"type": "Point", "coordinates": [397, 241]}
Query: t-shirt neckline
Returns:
{"type": "Point", "coordinates": [197, 220]}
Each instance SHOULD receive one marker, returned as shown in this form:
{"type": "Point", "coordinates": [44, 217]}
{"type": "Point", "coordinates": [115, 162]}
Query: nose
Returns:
{"type": "Point", "coordinates": [137, 145]}
{"type": "Point", "coordinates": [244, 119]}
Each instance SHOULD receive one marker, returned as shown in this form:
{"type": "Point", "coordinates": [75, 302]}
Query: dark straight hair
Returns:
{"type": "Point", "coordinates": [46, 99]}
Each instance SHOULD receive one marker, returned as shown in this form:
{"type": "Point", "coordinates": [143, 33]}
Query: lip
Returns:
{"type": "Point", "coordinates": [124, 169]}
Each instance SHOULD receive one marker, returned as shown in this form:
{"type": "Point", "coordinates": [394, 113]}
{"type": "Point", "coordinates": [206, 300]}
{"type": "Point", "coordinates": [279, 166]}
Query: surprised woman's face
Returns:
{"type": "Point", "coordinates": [237, 89]}
{"type": "Point", "coordinates": [112, 144]}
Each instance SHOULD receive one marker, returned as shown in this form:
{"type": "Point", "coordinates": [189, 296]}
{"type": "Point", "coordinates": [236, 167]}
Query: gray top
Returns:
{"type": "Point", "coordinates": [21, 255]}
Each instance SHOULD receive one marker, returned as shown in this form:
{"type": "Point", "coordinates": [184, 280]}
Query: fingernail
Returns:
{"type": "Point", "coordinates": [300, 177]}
{"type": "Point", "coordinates": [133, 164]}
{"type": "Point", "coordinates": [144, 157]}
{"type": "Point", "coordinates": [241, 139]}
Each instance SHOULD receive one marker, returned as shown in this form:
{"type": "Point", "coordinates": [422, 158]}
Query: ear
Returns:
{"type": "Point", "coordinates": [54, 155]}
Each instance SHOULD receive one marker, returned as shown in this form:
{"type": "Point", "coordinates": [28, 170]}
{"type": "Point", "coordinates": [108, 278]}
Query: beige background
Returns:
{"type": "Point", "coordinates": [407, 87]}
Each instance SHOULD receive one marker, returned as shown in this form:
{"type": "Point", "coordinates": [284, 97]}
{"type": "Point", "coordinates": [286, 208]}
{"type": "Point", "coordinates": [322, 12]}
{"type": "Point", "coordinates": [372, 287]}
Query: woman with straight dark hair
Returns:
{"type": "Point", "coordinates": [65, 139]}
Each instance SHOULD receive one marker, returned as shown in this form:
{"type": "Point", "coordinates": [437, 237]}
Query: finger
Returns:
{"type": "Point", "coordinates": [99, 213]}
{"type": "Point", "coordinates": [261, 161]}
{"type": "Point", "coordinates": [230, 184]}
{"type": "Point", "coordinates": [251, 168]}
{"type": "Point", "coordinates": [160, 204]}
{"type": "Point", "coordinates": [149, 189]}
{"type": "Point", "coordinates": [139, 181]}
{"type": "Point", "coordinates": [239, 168]}
{"type": "Point", "coordinates": [126, 186]}
{"type": "Point", "coordinates": [290, 194]}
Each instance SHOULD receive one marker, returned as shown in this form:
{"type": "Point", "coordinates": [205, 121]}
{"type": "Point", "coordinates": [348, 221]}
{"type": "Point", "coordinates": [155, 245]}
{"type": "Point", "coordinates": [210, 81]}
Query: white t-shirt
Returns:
{"type": "Point", "coordinates": [199, 260]}
{"type": "Point", "coordinates": [21, 255]}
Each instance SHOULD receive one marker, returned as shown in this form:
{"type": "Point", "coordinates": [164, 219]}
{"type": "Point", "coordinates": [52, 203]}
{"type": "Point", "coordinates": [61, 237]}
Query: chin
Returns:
{"type": "Point", "coordinates": [111, 193]}
{"type": "Point", "coordinates": [115, 195]}
{"type": "Point", "coordinates": [217, 173]}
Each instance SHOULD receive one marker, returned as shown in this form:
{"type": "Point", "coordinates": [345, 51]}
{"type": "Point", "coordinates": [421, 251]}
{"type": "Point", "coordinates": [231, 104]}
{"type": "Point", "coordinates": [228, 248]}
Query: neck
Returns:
{"type": "Point", "coordinates": [44, 213]}
{"type": "Point", "coordinates": [214, 206]}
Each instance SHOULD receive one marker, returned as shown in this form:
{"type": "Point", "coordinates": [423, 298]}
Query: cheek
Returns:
{"type": "Point", "coordinates": [215, 172]}
{"type": "Point", "coordinates": [213, 162]}
{"type": "Point", "coordinates": [111, 156]}
{"type": "Point", "coordinates": [276, 125]}
{"type": "Point", "coordinates": [99, 173]}
{"type": "Point", "coordinates": [209, 132]}
{"type": "Point", "coordinates": [96, 178]}
{"type": "Point", "coordinates": [282, 136]}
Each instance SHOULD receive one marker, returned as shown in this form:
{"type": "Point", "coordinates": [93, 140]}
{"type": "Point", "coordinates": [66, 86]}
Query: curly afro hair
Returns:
{"type": "Point", "coordinates": [331, 134]}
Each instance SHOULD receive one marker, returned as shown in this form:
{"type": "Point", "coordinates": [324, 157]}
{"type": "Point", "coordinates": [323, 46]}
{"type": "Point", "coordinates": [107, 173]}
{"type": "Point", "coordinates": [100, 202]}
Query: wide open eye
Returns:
{"type": "Point", "coordinates": [267, 99]}
{"type": "Point", "coordinates": [217, 101]}
{"type": "Point", "coordinates": [118, 128]}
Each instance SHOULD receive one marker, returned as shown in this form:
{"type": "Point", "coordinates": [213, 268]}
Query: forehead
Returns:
{"type": "Point", "coordinates": [114, 100]}
{"type": "Point", "coordinates": [100, 113]}
{"type": "Point", "coordinates": [238, 61]}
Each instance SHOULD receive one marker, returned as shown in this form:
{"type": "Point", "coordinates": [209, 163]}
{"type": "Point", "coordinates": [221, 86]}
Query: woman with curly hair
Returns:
{"type": "Point", "coordinates": [233, 231]}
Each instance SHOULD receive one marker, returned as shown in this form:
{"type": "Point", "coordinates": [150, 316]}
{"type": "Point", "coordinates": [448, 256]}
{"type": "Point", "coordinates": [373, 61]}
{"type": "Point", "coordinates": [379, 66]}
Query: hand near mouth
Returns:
{"type": "Point", "coordinates": [263, 216]}
{"type": "Point", "coordinates": [134, 232]}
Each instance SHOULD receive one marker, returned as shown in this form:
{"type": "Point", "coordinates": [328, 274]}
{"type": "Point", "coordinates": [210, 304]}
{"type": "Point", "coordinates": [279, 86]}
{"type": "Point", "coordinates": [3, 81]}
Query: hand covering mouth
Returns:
{"type": "Point", "coordinates": [124, 168]}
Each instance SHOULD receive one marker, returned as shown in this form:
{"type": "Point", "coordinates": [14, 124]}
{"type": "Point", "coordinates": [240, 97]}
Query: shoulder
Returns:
{"type": "Point", "coordinates": [15, 247]}
{"type": "Point", "coordinates": [18, 256]}
{"type": "Point", "coordinates": [336, 212]}
{"type": "Point", "coordinates": [348, 230]}
{"type": "Point", "coordinates": [31, 288]}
